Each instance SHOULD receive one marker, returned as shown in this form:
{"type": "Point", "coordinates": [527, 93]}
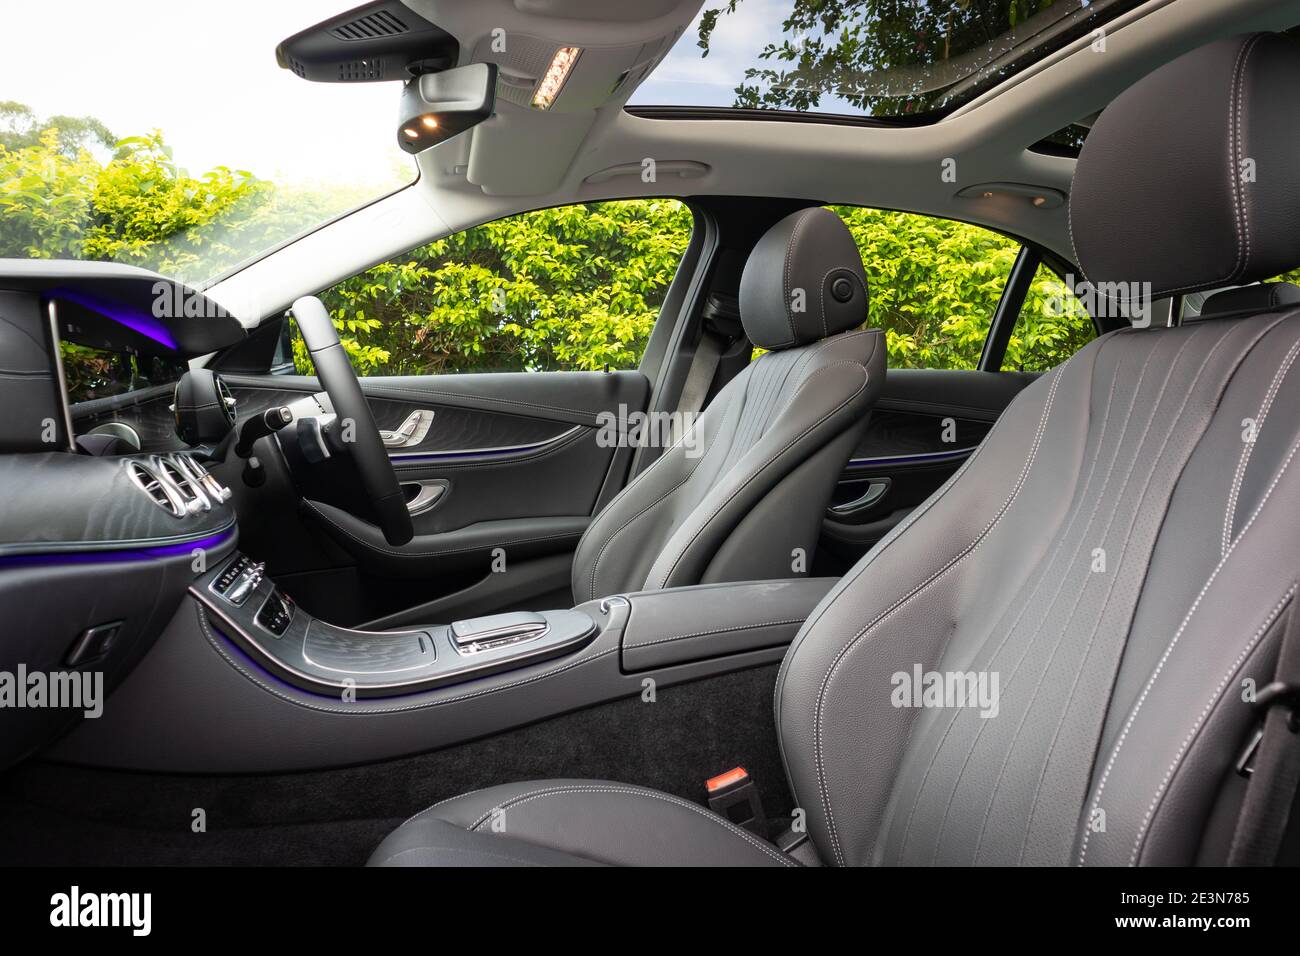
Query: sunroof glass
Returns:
{"type": "Point", "coordinates": [902, 59]}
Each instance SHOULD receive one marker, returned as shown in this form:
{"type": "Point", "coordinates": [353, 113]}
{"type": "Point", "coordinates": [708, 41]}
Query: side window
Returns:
{"type": "Point", "coordinates": [1053, 324]}
{"type": "Point", "coordinates": [574, 287]}
{"type": "Point", "coordinates": [934, 284]}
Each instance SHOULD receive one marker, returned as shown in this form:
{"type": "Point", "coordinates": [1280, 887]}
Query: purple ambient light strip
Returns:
{"type": "Point", "coordinates": [117, 557]}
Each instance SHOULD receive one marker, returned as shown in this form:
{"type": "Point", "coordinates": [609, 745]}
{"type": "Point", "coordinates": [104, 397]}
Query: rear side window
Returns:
{"type": "Point", "coordinates": [1053, 324]}
{"type": "Point", "coordinates": [934, 284]}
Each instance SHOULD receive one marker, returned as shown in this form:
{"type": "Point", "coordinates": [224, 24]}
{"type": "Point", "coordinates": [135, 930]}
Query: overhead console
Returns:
{"type": "Point", "coordinates": [384, 40]}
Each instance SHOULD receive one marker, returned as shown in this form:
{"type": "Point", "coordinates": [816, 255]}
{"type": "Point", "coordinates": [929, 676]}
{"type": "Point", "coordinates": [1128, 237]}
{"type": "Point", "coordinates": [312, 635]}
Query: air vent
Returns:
{"type": "Point", "coordinates": [381, 23]}
{"type": "Point", "coordinates": [215, 490]}
{"type": "Point", "coordinates": [171, 471]}
{"type": "Point", "coordinates": [361, 71]}
{"type": "Point", "coordinates": [147, 480]}
{"type": "Point", "coordinates": [297, 67]}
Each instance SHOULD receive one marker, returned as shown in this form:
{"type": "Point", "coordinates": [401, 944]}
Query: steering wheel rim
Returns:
{"type": "Point", "coordinates": [339, 380]}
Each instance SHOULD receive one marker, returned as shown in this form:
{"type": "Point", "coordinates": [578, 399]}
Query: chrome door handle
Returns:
{"type": "Point", "coordinates": [877, 488]}
{"type": "Point", "coordinates": [428, 494]}
{"type": "Point", "coordinates": [410, 432]}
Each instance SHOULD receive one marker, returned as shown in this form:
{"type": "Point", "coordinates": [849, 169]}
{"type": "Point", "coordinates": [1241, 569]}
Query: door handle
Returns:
{"type": "Point", "coordinates": [877, 488]}
{"type": "Point", "coordinates": [410, 432]}
{"type": "Point", "coordinates": [421, 496]}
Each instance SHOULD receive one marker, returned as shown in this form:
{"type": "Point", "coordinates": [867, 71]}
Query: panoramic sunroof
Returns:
{"type": "Point", "coordinates": [901, 60]}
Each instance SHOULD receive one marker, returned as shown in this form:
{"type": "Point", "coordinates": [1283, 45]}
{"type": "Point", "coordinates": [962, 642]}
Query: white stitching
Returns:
{"type": "Point", "coordinates": [1236, 154]}
{"type": "Point", "coordinates": [654, 504]}
{"type": "Point", "coordinates": [866, 377]}
{"type": "Point", "coordinates": [716, 630]}
{"type": "Point", "coordinates": [900, 604]}
{"type": "Point", "coordinates": [1191, 612]}
{"type": "Point", "coordinates": [1205, 711]}
{"type": "Point", "coordinates": [1235, 95]}
{"type": "Point", "coordinates": [638, 792]}
{"type": "Point", "coordinates": [883, 544]}
{"type": "Point", "coordinates": [785, 283]}
{"type": "Point", "coordinates": [1249, 446]}
{"type": "Point", "coordinates": [1082, 492]}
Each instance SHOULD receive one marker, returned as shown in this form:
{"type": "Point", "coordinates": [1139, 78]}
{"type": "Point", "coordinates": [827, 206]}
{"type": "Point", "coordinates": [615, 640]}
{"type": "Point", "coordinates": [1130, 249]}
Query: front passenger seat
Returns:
{"type": "Point", "coordinates": [749, 484]}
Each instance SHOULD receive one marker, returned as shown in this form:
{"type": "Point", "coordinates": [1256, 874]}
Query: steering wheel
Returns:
{"type": "Point", "coordinates": [339, 380]}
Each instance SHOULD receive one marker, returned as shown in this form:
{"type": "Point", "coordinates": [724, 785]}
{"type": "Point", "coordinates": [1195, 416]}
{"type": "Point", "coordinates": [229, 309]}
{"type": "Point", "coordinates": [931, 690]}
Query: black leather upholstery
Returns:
{"type": "Point", "coordinates": [1188, 180]}
{"type": "Point", "coordinates": [569, 822]}
{"type": "Point", "coordinates": [1264, 297]}
{"type": "Point", "coordinates": [804, 281]}
{"type": "Point", "coordinates": [750, 482]}
{"type": "Point", "coordinates": [29, 389]}
{"type": "Point", "coordinates": [1112, 567]}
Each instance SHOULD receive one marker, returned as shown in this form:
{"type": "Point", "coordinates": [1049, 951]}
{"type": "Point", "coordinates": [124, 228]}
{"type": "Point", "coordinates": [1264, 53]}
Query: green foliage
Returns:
{"type": "Point", "coordinates": [577, 287]}
{"type": "Point", "coordinates": [935, 285]}
{"type": "Point", "coordinates": [874, 54]}
{"type": "Point", "coordinates": [20, 127]}
{"type": "Point", "coordinates": [574, 287]}
{"type": "Point", "coordinates": [131, 203]}
{"type": "Point", "coordinates": [1052, 326]}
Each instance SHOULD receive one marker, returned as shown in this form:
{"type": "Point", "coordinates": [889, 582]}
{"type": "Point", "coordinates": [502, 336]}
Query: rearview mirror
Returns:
{"type": "Point", "coordinates": [438, 106]}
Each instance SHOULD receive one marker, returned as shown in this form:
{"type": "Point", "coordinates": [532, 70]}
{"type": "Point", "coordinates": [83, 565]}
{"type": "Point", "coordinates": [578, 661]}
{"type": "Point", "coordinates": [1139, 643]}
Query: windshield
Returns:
{"type": "Point", "coordinates": [129, 135]}
{"type": "Point", "coordinates": [893, 59]}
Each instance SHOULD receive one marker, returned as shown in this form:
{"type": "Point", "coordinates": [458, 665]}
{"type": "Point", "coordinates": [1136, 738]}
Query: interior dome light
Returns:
{"type": "Point", "coordinates": [552, 81]}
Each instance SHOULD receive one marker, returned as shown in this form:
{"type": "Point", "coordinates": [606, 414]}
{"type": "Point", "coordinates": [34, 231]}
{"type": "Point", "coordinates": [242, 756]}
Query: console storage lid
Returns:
{"type": "Point", "coordinates": [679, 625]}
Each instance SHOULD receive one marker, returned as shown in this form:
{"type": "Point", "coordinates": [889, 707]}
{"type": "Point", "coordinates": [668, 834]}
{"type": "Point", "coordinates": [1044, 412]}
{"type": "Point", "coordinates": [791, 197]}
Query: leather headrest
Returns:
{"type": "Point", "coordinates": [1266, 297]}
{"type": "Point", "coordinates": [804, 281]}
{"type": "Point", "coordinates": [1189, 179]}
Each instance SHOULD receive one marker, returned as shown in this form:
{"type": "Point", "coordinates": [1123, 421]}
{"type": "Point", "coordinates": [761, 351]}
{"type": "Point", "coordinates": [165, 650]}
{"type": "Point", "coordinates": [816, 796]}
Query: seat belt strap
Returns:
{"type": "Point", "coordinates": [1271, 760]}
{"type": "Point", "coordinates": [704, 366]}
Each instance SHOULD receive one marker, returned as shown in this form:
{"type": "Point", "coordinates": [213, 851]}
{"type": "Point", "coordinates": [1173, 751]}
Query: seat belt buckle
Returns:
{"type": "Point", "coordinates": [734, 796]}
{"type": "Point", "coordinates": [1276, 694]}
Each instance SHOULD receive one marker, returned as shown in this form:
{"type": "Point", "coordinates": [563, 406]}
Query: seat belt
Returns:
{"type": "Point", "coordinates": [1271, 759]}
{"type": "Point", "coordinates": [704, 366]}
{"type": "Point", "coordinates": [720, 320]}
{"type": "Point", "coordinates": [721, 327]}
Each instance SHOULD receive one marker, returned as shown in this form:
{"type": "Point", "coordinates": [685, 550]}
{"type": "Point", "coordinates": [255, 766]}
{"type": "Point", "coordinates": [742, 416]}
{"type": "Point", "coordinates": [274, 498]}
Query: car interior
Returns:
{"type": "Point", "coordinates": [853, 604]}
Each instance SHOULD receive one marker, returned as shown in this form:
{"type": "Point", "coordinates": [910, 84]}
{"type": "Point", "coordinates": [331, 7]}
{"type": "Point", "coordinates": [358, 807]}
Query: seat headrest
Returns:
{"type": "Point", "coordinates": [804, 281]}
{"type": "Point", "coordinates": [1189, 179]}
{"type": "Point", "coordinates": [1266, 297]}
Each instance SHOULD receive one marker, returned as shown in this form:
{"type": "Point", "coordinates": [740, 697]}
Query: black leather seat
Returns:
{"type": "Point", "coordinates": [1120, 554]}
{"type": "Point", "coordinates": [735, 497]}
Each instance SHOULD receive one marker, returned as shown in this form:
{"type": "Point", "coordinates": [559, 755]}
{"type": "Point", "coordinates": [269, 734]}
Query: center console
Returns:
{"type": "Point", "coordinates": [324, 658]}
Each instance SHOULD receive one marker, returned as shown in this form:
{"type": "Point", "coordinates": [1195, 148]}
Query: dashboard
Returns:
{"type": "Point", "coordinates": [100, 541]}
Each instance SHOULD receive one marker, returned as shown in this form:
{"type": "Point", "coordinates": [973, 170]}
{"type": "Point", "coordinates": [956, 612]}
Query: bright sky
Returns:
{"type": "Point", "coordinates": [204, 73]}
{"type": "Point", "coordinates": [684, 78]}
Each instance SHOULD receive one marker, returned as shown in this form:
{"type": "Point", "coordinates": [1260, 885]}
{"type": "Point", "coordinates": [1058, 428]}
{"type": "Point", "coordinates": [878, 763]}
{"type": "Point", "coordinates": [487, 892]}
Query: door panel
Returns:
{"type": "Point", "coordinates": [927, 422]}
{"type": "Point", "coordinates": [513, 464]}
